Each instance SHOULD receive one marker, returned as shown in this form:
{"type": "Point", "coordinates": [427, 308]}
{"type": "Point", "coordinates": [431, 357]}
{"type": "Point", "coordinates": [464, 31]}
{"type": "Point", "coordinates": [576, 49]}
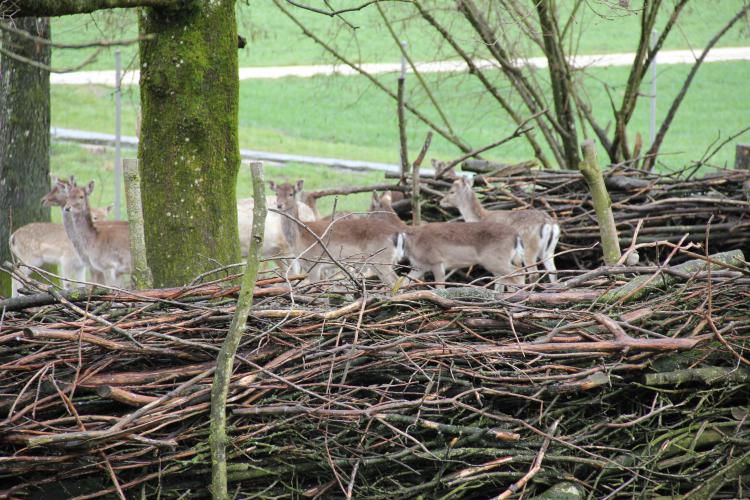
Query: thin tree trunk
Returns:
{"type": "Point", "coordinates": [218, 430]}
{"type": "Point", "coordinates": [559, 73]}
{"type": "Point", "coordinates": [142, 278]}
{"type": "Point", "coordinates": [650, 160]}
{"type": "Point", "coordinates": [189, 151]}
{"type": "Point", "coordinates": [24, 134]}
{"type": "Point", "coordinates": [589, 167]}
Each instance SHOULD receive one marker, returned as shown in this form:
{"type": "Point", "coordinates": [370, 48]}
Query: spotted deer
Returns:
{"type": "Point", "coordinates": [442, 246]}
{"type": "Point", "coordinates": [539, 231]}
{"type": "Point", "coordinates": [362, 242]}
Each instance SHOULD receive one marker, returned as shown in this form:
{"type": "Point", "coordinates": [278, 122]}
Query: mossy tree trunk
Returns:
{"type": "Point", "coordinates": [189, 150]}
{"type": "Point", "coordinates": [24, 134]}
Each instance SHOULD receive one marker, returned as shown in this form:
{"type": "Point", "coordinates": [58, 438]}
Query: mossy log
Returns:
{"type": "Point", "coordinates": [589, 167]}
{"type": "Point", "coordinates": [707, 375]}
{"type": "Point", "coordinates": [641, 285]}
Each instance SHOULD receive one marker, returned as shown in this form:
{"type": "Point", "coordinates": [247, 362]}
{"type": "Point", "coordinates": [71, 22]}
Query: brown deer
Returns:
{"type": "Point", "coordinates": [105, 247]}
{"type": "Point", "coordinates": [381, 208]}
{"type": "Point", "coordinates": [274, 243]}
{"type": "Point", "coordinates": [350, 241]}
{"type": "Point", "coordinates": [443, 246]}
{"type": "Point", "coordinates": [539, 231]}
{"type": "Point", "coordinates": [45, 243]}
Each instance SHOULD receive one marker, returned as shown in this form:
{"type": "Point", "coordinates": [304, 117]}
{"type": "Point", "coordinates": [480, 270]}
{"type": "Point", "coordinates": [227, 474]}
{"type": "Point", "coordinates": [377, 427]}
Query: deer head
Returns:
{"type": "Point", "coordinates": [77, 199]}
{"type": "Point", "coordinates": [461, 192]}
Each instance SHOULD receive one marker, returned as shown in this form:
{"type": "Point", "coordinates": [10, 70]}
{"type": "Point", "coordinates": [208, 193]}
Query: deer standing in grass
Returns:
{"type": "Point", "coordinates": [45, 243]}
{"type": "Point", "coordinates": [539, 231]}
{"type": "Point", "coordinates": [104, 246]}
{"type": "Point", "coordinates": [367, 242]}
{"type": "Point", "coordinates": [274, 243]}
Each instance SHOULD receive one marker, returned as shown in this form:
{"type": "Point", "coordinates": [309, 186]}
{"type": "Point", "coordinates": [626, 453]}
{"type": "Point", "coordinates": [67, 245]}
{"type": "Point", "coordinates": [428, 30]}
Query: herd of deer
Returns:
{"type": "Point", "coordinates": [505, 243]}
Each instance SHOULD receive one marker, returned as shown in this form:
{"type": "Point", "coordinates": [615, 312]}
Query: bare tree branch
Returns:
{"type": "Point", "coordinates": [97, 43]}
{"type": "Point", "coordinates": [421, 116]}
{"type": "Point", "coordinates": [331, 12]}
{"type": "Point", "coordinates": [51, 8]}
{"type": "Point", "coordinates": [654, 150]}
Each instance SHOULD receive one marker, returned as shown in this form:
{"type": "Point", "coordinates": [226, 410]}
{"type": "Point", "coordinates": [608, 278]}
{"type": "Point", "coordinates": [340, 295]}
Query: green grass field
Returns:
{"type": "Point", "coordinates": [275, 41]}
{"type": "Point", "coordinates": [347, 117]}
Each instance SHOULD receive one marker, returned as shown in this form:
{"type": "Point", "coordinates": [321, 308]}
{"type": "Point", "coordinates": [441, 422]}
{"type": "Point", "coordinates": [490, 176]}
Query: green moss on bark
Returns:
{"type": "Point", "coordinates": [24, 135]}
{"type": "Point", "coordinates": [189, 150]}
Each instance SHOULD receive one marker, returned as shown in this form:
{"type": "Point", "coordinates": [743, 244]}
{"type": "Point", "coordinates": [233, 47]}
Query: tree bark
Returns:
{"type": "Point", "coordinates": [50, 8]}
{"type": "Point", "coordinates": [560, 80]}
{"type": "Point", "coordinates": [24, 135]}
{"type": "Point", "coordinates": [189, 151]}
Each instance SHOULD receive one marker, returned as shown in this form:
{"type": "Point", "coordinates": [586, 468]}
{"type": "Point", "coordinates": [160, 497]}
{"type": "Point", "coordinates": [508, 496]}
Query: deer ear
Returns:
{"type": "Point", "coordinates": [72, 181]}
{"type": "Point", "coordinates": [469, 181]}
{"type": "Point", "coordinates": [272, 185]}
{"type": "Point", "coordinates": [89, 188]}
{"type": "Point", "coordinates": [375, 196]}
{"type": "Point", "coordinates": [108, 209]}
{"type": "Point", "coordinates": [300, 185]}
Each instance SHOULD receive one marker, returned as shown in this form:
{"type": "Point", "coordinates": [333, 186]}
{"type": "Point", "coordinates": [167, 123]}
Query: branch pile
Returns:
{"type": "Point", "coordinates": [670, 206]}
{"type": "Point", "coordinates": [459, 393]}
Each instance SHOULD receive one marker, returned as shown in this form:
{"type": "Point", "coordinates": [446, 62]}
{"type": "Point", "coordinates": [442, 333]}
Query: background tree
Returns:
{"type": "Point", "coordinates": [24, 132]}
{"type": "Point", "coordinates": [189, 155]}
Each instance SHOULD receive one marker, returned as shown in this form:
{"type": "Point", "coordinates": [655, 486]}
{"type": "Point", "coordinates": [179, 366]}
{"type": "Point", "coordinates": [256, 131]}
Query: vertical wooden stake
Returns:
{"type": "Point", "coordinates": [141, 272]}
{"type": "Point", "coordinates": [416, 209]}
{"type": "Point", "coordinates": [589, 167]}
{"type": "Point", "coordinates": [217, 437]}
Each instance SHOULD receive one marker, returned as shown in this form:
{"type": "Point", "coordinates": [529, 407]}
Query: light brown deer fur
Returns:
{"type": "Point", "coordinates": [44, 243]}
{"type": "Point", "coordinates": [539, 231]}
{"type": "Point", "coordinates": [443, 246]}
{"type": "Point", "coordinates": [350, 241]}
{"type": "Point", "coordinates": [381, 209]}
{"type": "Point", "coordinates": [105, 247]}
{"type": "Point", "coordinates": [274, 243]}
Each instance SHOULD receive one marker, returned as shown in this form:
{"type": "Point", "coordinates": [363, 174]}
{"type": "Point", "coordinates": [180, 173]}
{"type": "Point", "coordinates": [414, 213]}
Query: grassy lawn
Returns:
{"type": "Point", "coordinates": [97, 164]}
{"type": "Point", "coordinates": [275, 41]}
{"type": "Point", "coordinates": [346, 117]}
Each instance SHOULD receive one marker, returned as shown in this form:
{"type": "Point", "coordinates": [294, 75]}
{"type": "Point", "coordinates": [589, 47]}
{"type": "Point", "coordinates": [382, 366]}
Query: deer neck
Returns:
{"type": "Point", "coordinates": [472, 210]}
{"type": "Point", "coordinates": [81, 231]}
{"type": "Point", "coordinates": [290, 228]}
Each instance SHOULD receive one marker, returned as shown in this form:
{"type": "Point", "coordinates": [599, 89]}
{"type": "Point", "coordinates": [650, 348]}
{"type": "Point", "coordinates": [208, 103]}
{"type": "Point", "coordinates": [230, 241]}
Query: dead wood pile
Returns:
{"type": "Point", "coordinates": [460, 393]}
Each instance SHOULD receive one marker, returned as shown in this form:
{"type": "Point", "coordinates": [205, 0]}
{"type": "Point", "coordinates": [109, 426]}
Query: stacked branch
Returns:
{"type": "Point", "coordinates": [458, 392]}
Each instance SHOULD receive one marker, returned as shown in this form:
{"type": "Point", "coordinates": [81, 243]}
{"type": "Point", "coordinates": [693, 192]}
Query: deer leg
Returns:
{"type": "Point", "coordinates": [548, 253]}
{"type": "Point", "coordinates": [386, 274]}
{"type": "Point", "coordinates": [438, 271]}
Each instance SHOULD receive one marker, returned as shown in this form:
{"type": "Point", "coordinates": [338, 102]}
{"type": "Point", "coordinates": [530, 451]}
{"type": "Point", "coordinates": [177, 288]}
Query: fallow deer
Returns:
{"type": "Point", "coordinates": [361, 241]}
{"type": "Point", "coordinates": [381, 208]}
{"type": "Point", "coordinates": [274, 243]}
{"type": "Point", "coordinates": [539, 231]}
{"type": "Point", "coordinates": [44, 243]}
{"type": "Point", "coordinates": [105, 247]}
{"type": "Point", "coordinates": [443, 246]}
